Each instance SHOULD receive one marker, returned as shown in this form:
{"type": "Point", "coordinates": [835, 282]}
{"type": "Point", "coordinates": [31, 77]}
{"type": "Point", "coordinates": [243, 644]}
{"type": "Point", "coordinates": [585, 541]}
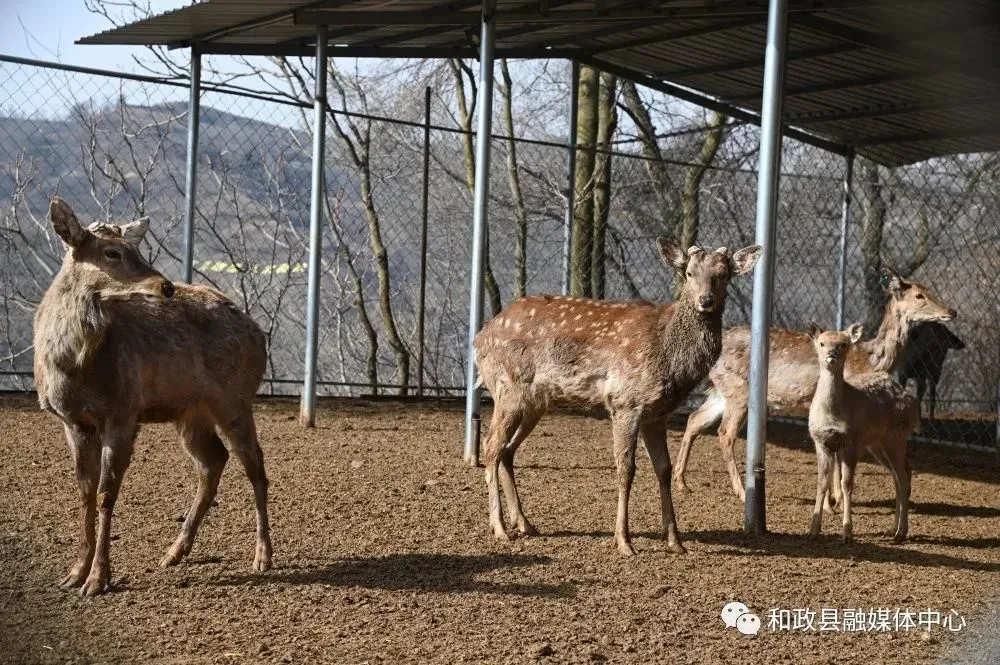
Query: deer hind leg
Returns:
{"type": "Point", "coordinates": [503, 425]}
{"type": "Point", "coordinates": [698, 423]}
{"type": "Point", "coordinates": [241, 432]}
{"type": "Point", "coordinates": [835, 499]}
{"type": "Point", "coordinates": [625, 427]}
{"type": "Point", "coordinates": [825, 463]}
{"type": "Point", "coordinates": [210, 456]}
{"type": "Point", "coordinates": [116, 454]}
{"type": "Point", "coordinates": [896, 455]}
{"type": "Point", "coordinates": [654, 436]}
{"type": "Point", "coordinates": [732, 421]}
{"type": "Point", "coordinates": [514, 511]}
{"type": "Point", "coordinates": [85, 448]}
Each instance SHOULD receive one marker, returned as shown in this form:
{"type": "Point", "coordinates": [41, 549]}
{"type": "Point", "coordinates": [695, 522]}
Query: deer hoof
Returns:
{"type": "Point", "coordinates": [527, 529]}
{"type": "Point", "coordinates": [93, 586]}
{"type": "Point", "coordinates": [73, 580]}
{"type": "Point", "coordinates": [262, 559]}
{"type": "Point", "coordinates": [173, 556]}
{"type": "Point", "coordinates": [626, 549]}
{"type": "Point", "coordinates": [676, 548]}
{"type": "Point", "coordinates": [899, 538]}
{"type": "Point", "coordinates": [681, 486]}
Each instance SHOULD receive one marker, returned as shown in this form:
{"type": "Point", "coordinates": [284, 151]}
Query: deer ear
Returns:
{"type": "Point", "coordinates": [672, 254]}
{"type": "Point", "coordinates": [891, 282]}
{"type": "Point", "coordinates": [745, 259]}
{"type": "Point", "coordinates": [135, 231]}
{"type": "Point", "coordinates": [813, 330]}
{"type": "Point", "coordinates": [855, 331]}
{"type": "Point", "coordinates": [65, 223]}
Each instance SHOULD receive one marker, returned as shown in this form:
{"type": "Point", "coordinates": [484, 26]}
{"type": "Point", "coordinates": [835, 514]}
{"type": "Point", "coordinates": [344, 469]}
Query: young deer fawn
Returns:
{"type": "Point", "coordinates": [868, 412]}
{"type": "Point", "coordinates": [792, 371]}
{"type": "Point", "coordinates": [635, 359]}
{"type": "Point", "coordinates": [116, 345]}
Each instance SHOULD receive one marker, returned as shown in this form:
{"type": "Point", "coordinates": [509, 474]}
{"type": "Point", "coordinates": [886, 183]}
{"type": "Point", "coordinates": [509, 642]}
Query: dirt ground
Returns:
{"type": "Point", "coordinates": [382, 552]}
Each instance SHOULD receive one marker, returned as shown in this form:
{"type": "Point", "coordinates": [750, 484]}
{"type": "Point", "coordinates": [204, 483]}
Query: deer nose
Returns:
{"type": "Point", "coordinates": [706, 301]}
{"type": "Point", "coordinates": [167, 288]}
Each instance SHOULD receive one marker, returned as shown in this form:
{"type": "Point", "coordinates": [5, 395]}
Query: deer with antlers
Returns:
{"type": "Point", "coordinates": [636, 359]}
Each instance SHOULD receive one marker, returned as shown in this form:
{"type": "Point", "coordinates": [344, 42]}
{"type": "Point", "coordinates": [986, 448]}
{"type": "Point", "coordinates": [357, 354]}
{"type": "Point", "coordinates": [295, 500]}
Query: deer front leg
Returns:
{"type": "Point", "coordinates": [625, 428]}
{"type": "Point", "coordinates": [503, 424]}
{"type": "Point", "coordinates": [85, 449]}
{"type": "Point", "coordinates": [824, 471]}
{"type": "Point", "coordinates": [116, 454]}
{"type": "Point", "coordinates": [847, 465]}
{"type": "Point", "coordinates": [654, 436]}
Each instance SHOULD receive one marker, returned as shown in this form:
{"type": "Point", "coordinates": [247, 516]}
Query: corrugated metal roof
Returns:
{"type": "Point", "coordinates": [900, 81]}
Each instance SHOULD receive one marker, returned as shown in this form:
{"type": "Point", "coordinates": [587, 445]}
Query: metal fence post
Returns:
{"type": "Point", "coordinates": [191, 166]}
{"type": "Point", "coordinates": [767, 200]}
{"type": "Point", "coordinates": [574, 108]}
{"type": "Point", "coordinates": [307, 411]}
{"type": "Point", "coordinates": [845, 220]}
{"type": "Point", "coordinates": [422, 303]}
{"type": "Point", "coordinates": [479, 222]}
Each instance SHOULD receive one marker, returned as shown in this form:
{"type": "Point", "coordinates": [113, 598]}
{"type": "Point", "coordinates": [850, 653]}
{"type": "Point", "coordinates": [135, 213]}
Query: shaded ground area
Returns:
{"type": "Point", "coordinates": [383, 555]}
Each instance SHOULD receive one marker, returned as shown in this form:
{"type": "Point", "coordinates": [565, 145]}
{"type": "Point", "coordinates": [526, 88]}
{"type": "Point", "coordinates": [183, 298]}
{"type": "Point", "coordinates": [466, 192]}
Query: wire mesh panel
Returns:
{"type": "Point", "coordinates": [115, 149]}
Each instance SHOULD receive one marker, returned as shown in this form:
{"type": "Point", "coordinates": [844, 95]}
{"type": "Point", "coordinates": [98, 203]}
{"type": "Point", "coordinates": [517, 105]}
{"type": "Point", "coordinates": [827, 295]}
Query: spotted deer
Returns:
{"type": "Point", "coordinates": [116, 345]}
{"type": "Point", "coordinates": [792, 371]}
{"type": "Point", "coordinates": [868, 411]}
{"type": "Point", "coordinates": [636, 359]}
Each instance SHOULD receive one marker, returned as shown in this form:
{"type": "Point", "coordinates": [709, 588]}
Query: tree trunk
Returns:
{"type": "Point", "coordinates": [514, 183]}
{"type": "Point", "coordinates": [873, 214]}
{"type": "Point", "coordinates": [607, 120]}
{"type": "Point", "coordinates": [586, 134]}
{"type": "Point", "coordinates": [655, 167]}
{"type": "Point", "coordinates": [465, 119]}
{"type": "Point", "coordinates": [691, 191]}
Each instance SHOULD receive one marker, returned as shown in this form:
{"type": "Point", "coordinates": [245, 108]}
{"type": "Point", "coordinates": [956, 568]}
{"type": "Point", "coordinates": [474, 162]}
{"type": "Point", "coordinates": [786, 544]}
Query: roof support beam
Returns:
{"type": "Point", "coordinates": [346, 51]}
{"type": "Point", "coordinates": [841, 84]}
{"type": "Point", "coordinates": [884, 110]}
{"type": "Point", "coordinates": [963, 133]}
{"type": "Point", "coordinates": [758, 61]}
{"type": "Point", "coordinates": [676, 34]}
{"type": "Point", "coordinates": [535, 13]}
{"type": "Point", "coordinates": [706, 102]}
{"type": "Point", "coordinates": [904, 47]}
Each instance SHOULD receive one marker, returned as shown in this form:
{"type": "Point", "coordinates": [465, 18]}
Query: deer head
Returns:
{"type": "Point", "coordinates": [912, 301]}
{"type": "Point", "coordinates": [831, 346]}
{"type": "Point", "coordinates": [706, 274]}
{"type": "Point", "coordinates": [103, 257]}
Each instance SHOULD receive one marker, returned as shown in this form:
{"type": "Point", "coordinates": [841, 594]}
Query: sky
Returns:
{"type": "Point", "coordinates": [46, 30]}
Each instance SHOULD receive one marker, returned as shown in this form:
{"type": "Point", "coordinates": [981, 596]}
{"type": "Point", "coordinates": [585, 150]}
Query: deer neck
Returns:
{"type": "Point", "coordinates": [829, 389]}
{"type": "Point", "coordinates": [887, 348]}
{"type": "Point", "coordinates": [71, 324]}
{"type": "Point", "coordinates": [691, 338]}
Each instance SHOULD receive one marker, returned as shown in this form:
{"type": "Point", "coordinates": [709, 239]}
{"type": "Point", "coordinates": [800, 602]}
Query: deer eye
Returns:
{"type": "Point", "coordinates": [690, 274]}
{"type": "Point", "coordinates": [919, 296]}
{"type": "Point", "coordinates": [112, 254]}
{"type": "Point", "coordinates": [822, 343]}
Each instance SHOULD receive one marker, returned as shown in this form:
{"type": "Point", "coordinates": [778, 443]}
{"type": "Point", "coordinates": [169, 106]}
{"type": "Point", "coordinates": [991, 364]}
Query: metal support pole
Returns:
{"type": "Point", "coordinates": [767, 200]}
{"type": "Point", "coordinates": [421, 304]}
{"type": "Point", "coordinates": [845, 220]}
{"type": "Point", "coordinates": [307, 411]}
{"type": "Point", "coordinates": [574, 108]}
{"type": "Point", "coordinates": [191, 170]}
{"type": "Point", "coordinates": [479, 221]}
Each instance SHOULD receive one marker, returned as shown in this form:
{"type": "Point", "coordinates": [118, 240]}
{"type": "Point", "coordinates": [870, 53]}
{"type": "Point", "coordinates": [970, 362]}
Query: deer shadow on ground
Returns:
{"type": "Point", "coordinates": [442, 573]}
{"type": "Point", "coordinates": [830, 547]}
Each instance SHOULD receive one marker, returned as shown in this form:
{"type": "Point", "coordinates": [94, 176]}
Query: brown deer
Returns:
{"type": "Point", "coordinates": [867, 412]}
{"type": "Point", "coordinates": [116, 345]}
{"type": "Point", "coordinates": [792, 371]}
{"type": "Point", "coordinates": [635, 359]}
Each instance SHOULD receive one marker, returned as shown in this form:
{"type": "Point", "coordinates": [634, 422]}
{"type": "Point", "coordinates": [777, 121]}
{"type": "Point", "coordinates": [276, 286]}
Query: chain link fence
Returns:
{"type": "Point", "coordinates": [114, 147]}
